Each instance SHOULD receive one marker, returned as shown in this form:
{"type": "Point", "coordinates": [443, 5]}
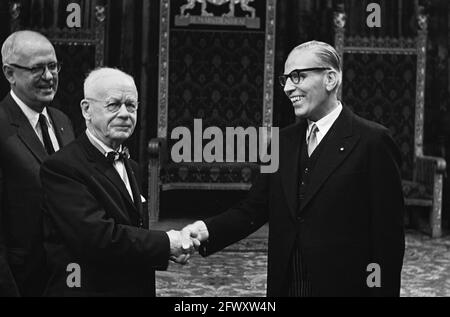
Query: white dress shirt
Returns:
{"type": "Point", "coordinates": [118, 164]}
{"type": "Point", "coordinates": [324, 124]}
{"type": "Point", "coordinates": [33, 118]}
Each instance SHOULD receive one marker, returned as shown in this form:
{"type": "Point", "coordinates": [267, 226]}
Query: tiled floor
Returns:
{"type": "Point", "coordinates": [236, 271]}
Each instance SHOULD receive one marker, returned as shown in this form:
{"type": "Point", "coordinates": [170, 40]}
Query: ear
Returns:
{"type": "Point", "coordinates": [331, 80]}
{"type": "Point", "coordinates": [85, 109]}
{"type": "Point", "coordinates": [9, 74]}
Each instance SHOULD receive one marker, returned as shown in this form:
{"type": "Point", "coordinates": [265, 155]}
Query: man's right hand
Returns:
{"type": "Point", "coordinates": [181, 246]}
{"type": "Point", "coordinates": [196, 230]}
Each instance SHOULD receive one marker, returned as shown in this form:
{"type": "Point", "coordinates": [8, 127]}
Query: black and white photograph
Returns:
{"type": "Point", "coordinates": [224, 154]}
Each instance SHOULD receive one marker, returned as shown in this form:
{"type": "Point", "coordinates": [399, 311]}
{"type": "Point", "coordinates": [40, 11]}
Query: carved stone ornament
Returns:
{"type": "Point", "coordinates": [100, 13]}
{"type": "Point", "coordinates": [15, 10]}
{"type": "Point", "coordinates": [422, 21]}
{"type": "Point", "coordinates": [340, 19]}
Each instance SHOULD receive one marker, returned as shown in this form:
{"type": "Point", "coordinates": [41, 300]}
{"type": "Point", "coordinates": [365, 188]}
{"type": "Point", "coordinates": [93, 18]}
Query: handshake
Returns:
{"type": "Point", "coordinates": [185, 242]}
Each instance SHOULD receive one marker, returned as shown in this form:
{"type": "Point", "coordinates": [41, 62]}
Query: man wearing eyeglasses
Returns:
{"type": "Point", "coordinates": [94, 213]}
{"type": "Point", "coordinates": [335, 206]}
{"type": "Point", "coordinates": [30, 131]}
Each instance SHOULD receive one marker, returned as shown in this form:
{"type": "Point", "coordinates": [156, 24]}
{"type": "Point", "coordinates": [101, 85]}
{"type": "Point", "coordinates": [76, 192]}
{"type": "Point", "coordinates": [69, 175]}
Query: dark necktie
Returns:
{"type": "Point", "coordinates": [45, 136]}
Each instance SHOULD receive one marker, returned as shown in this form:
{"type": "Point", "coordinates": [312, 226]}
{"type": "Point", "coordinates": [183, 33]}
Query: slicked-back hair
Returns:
{"type": "Point", "coordinates": [326, 54]}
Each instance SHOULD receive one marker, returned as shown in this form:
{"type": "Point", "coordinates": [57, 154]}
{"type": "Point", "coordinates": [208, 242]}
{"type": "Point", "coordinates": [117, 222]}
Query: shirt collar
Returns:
{"type": "Point", "coordinates": [32, 115]}
{"type": "Point", "coordinates": [102, 147]}
{"type": "Point", "coordinates": [325, 123]}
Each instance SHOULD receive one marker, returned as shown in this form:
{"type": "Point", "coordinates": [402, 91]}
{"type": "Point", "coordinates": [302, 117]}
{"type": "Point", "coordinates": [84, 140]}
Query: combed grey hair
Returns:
{"type": "Point", "coordinates": [10, 45]}
{"type": "Point", "coordinates": [100, 73]}
{"type": "Point", "coordinates": [326, 54]}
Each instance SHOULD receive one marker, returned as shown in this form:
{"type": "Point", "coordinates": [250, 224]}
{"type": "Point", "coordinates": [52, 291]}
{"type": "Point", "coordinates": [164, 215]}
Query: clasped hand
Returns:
{"type": "Point", "coordinates": [185, 242]}
{"type": "Point", "coordinates": [182, 246]}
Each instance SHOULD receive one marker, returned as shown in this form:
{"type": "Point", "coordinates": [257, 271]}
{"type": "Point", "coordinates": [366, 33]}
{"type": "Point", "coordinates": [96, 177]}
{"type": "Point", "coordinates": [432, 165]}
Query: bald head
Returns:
{"type": "Point", "coordinates": [102, 79]}
{"type": "Point", "coordinates": [20, 44]}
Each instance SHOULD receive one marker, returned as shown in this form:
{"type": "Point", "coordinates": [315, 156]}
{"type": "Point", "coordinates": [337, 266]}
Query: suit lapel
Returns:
{"type": "Point", "coordinates": [134, 187]}
{"type": "Point", "coordinates": [111, 173]}
{"type": "Point", "coordinates": [289, 165]}
{"type": "Point", "coordinates": [340, 143]}
{"type": "Point", "coordinates": [107, 169]}
{"type": "Point", "coordinates": [63, 136]}
{"type": "Point", "coordinates": [25, 131]}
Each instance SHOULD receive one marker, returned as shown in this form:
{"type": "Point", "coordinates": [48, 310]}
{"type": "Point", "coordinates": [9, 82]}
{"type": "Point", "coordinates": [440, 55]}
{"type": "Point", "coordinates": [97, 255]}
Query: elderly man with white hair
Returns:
{"type": "Point", "coordinates": [30, 131]}
{"type": "Point", "coordinates": [96, 230]}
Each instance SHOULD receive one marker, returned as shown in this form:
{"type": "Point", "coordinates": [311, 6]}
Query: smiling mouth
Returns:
{"type": "Point", "coordinates": [46, 88]}
{"type": "Point", "coordinates": [297, 99]}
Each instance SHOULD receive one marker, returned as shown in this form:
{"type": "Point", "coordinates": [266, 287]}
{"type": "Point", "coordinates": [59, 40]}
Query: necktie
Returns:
{"type": "Point", "coordinates": [312, 140]}
{"type": "Point", "coordinates": [45, 136]}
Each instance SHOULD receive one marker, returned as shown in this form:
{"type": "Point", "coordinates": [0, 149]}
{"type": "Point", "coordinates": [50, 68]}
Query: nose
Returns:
{"type": "Point", "coordinates": [289, 87]}
{"type": "Point", "coordinates": [47, 75]}
{"type": "Point", "coordinates": [123, 112]}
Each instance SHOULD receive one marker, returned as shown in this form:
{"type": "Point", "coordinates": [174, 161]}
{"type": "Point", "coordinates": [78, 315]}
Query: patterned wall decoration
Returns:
{"type": "Point", "coordinates": [216, 64]}
{"type": "Point", "coordinates": [217, 77]}
{"type": "Point", "coordinates": [77, 62]}
{"type": "Point", "coordinates": [382, 88]}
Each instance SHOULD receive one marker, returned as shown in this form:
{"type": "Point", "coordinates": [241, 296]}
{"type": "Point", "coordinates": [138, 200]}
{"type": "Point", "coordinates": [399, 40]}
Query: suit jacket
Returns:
{"type": "Point", "coordinates": [351, 215]}
{"type": "Point", "coordinates": [90, 220]}
{"type": "Point", "coordinates": [21, 154]}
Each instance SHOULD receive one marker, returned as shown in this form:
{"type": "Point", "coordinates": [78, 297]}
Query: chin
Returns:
{"type": "Point", "coordinates": [47, 98]}
{"type": "Point", "coordinates": [122, 136]}
{"type": "Point", "coordinates": [299, 113]}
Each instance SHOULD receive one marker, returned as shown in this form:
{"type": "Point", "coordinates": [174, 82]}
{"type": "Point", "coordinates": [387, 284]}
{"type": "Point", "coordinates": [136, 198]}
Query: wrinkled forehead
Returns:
{"type": "Point", "coordinates": [114, 87]}
{"type": "Point", "coordinates": [301, 58]}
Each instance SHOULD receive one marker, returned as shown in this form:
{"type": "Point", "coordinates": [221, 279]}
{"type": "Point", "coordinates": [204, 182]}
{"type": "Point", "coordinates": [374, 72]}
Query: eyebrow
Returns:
{"type": "Point", "coordinates": [127, 99]}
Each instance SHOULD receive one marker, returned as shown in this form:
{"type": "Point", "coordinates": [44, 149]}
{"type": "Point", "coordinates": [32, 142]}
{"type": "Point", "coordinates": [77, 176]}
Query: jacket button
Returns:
{"type": "Point", "coordinates": [300, 219]}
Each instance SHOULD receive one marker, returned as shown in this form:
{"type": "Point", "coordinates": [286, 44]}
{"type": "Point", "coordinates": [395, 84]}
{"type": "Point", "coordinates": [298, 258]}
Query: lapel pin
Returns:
{"type": "Point", "coordinates": [342, 149]}
{"type": "Point", "coordinates": [62, 129]}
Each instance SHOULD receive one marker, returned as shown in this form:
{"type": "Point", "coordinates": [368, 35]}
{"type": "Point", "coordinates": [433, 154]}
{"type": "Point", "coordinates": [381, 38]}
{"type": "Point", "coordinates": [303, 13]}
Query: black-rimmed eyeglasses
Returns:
{"type": "Point", "coordinates": [39, 70]}
{"type": "Point", "coordinates": [295, 75]}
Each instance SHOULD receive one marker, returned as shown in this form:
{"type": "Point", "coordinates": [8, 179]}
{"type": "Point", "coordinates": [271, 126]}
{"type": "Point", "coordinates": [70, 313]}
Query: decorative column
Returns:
{"type": "Point", "coordinates": [339, 33]}
{"type": "Point", "coordinates": [15, 9]}
{"type": "Point", "coordinates": [100, 17]}
{"type": "Point", "coordinates": [422, 34]}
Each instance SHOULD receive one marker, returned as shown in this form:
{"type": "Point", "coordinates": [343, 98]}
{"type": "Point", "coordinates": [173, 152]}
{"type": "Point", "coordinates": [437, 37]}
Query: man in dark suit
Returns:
{"type": "Point", "coordinates": [335, 206]}
{"type": "Point", "coordinates": [29, 132]}
{"type": "Point", "coordinates": [94, 221]}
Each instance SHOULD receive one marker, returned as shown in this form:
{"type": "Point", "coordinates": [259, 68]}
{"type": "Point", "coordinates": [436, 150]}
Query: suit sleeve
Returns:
{"type": "Point", "coordinates": [8, 287]}
{"type": "Point", "coordinates": [86, 227]}
{"type": "Point", "coordinates": [241, 220]}
{"type": "Point", "coordinates": [387, 214]}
